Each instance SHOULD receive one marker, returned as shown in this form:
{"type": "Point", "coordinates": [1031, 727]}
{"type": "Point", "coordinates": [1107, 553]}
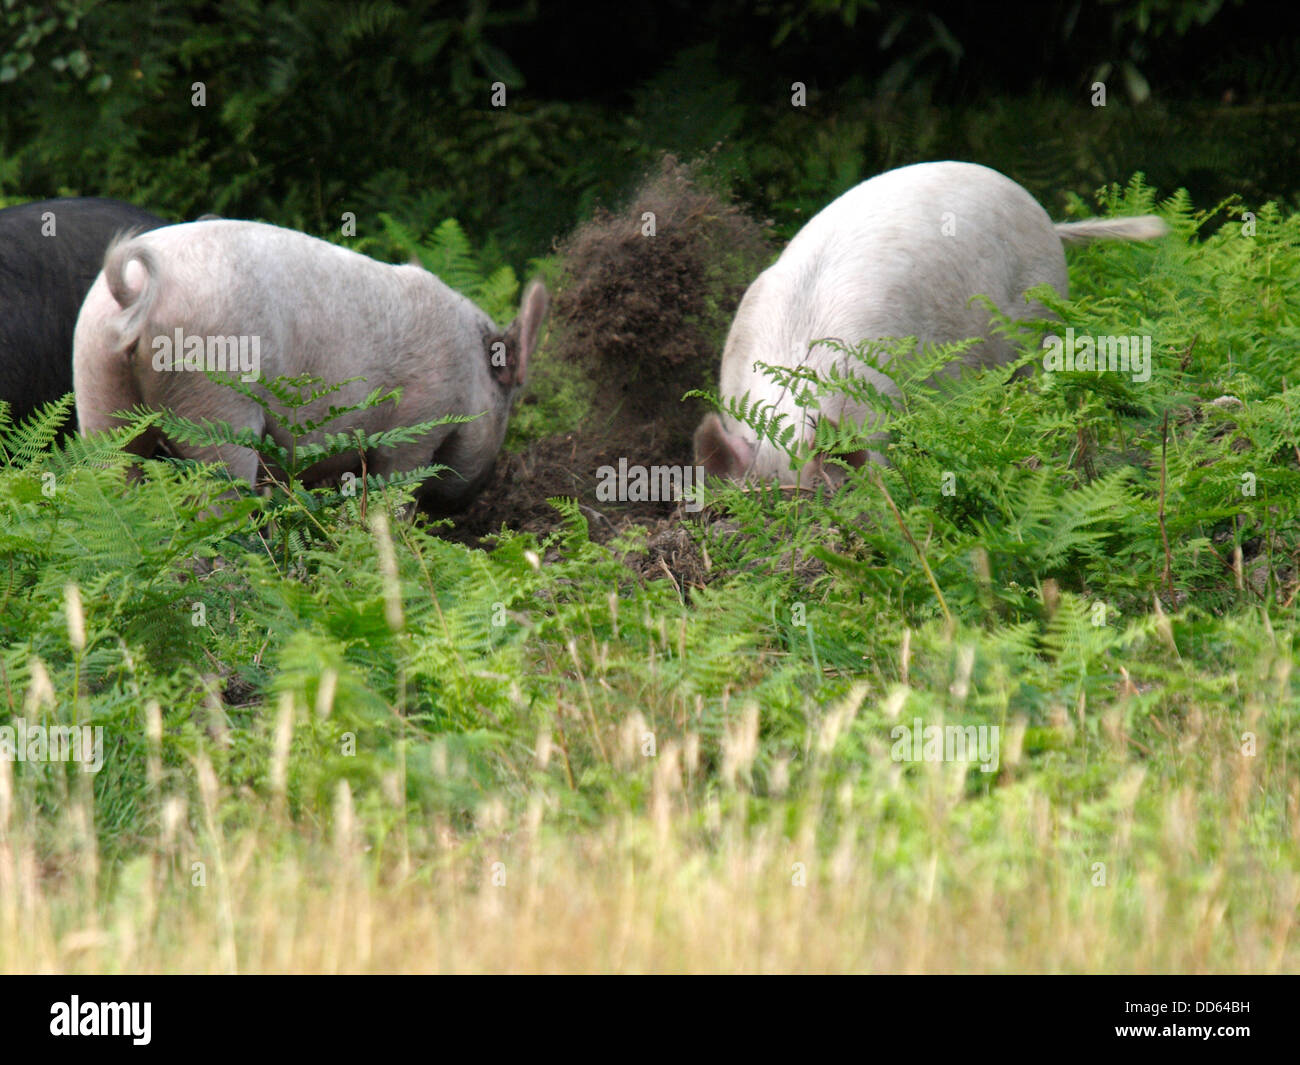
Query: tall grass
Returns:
{"type": "Point", "coordinates": [904, 875]}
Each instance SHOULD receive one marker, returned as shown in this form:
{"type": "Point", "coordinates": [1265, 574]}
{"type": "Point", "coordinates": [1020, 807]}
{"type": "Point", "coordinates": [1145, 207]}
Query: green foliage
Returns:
{"type": "Point", "coordinates": [312, 112]}
{"type": "Point", "coordinates": [286, 400]}
{"type": "Point", "coordinates": [451, 257]}
{"type": "Point", "coordinates": [1103, 566]}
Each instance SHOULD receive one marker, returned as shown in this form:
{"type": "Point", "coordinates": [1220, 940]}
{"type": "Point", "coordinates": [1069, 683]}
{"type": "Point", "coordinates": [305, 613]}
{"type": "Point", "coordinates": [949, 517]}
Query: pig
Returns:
{"type": "Point", "coordinates": [50, 252]}
{"type": "Point", "coordinates": [899, 255]}
{"type": "Point", "coordinates": [300, 306]}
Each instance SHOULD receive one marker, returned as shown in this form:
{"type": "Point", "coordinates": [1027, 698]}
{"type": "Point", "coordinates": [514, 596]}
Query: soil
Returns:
{"type": "Point", "coordinates": [643, 317]}
{"type": "Point", "coordinates": [522, 483]}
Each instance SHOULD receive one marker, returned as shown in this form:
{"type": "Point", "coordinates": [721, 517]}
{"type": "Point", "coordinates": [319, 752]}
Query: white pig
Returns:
{"type": "Point", "coordinates": [303, 306]}
{"type": "Point", "coordinates": [899, 255]}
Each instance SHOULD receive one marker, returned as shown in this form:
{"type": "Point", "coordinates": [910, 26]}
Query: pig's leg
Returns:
{"type": "Point", "coordinates": [388, 461]}
{"type": "Point", "coordinates": [240, 461]}
{"type": "Point", "coordinates": [470, 452]}
{"type": "Point", "coordinates": [199, 402]}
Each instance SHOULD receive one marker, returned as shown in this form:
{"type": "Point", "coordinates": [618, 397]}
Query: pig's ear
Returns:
{"type": "Point", "coordinates": [522, 336]}
{"type": "Point", "coordinates": [721, 453]}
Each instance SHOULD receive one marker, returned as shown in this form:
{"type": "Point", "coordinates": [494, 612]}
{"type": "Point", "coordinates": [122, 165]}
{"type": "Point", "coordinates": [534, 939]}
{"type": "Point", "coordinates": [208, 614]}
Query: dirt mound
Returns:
{"type": "Point", "coordinates": [642, 310]}
{"type": "Point", "coordinates": [649, 292]}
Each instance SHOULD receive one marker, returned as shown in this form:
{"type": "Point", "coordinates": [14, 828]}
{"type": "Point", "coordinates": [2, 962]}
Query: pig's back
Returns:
{"type": "Point", "coordinates": [902, 253]}
{"type": "Point", "coordinates": [319, 308]}
{"type": "Point", "coordinates": [268, 265]}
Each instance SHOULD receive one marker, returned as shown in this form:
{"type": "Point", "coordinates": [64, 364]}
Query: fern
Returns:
{"type": "Point", "coordinates": [450, 256]}
{"type": "Point", "coordinates": [23, 443]}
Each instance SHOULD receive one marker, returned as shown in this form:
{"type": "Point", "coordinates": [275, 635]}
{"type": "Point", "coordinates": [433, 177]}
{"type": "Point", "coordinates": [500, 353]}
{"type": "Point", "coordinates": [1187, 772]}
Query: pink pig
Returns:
{"type": "Point", "coordinates": [899, 255]}
{"type": "Point", "coordinates": [265, 302]}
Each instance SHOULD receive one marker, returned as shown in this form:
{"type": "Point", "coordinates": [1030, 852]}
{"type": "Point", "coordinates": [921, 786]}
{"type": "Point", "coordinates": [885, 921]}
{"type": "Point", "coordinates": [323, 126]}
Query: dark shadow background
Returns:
{"type": "Point", "coordinates": [315, 108]}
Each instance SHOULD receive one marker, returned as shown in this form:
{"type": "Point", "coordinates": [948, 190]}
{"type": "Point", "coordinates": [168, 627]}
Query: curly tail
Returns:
{"type": "Point", "coordinates": [136, 296]}
{"type": "Point", "coordinates": [112, 321]}
{"type": "Point", "coordinates": [1141, 227]}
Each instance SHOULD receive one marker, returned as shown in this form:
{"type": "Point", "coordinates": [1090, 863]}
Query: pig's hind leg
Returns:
{"type": "Point", "coordinates": [204, 402]}
{"type": "Point", "coordinates": [387, 462]}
